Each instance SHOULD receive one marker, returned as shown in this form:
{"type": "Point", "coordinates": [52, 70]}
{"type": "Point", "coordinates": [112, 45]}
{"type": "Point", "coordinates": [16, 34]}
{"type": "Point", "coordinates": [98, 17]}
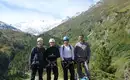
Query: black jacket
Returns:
{"type": "Point", "coordinates": [40, 55]}
{"type": "Point", "coordinates": [52, 53]}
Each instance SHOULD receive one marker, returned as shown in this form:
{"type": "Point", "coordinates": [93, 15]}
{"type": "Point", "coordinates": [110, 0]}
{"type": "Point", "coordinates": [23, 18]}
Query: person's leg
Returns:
{"type": "Point", "coordinates": [79, 70]}
{"type": "Point", "coordinates": [86, 69]}
{"type": "Point", "coordinates": [48, 70]}
{"type": "Point", "coordinates": [33, 72]}
{"type": "Point", "coordinates": [55, 72]}
{"type": "Point", "coordinates": [65, 71]}
{"type": "Point", "coordinates": [40, 73]}
{"type": "Point", "coordinates": [72, 72]}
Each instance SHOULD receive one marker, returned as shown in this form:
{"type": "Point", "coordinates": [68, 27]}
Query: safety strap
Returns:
{"type": "Point", "coordinates": [69, 47]}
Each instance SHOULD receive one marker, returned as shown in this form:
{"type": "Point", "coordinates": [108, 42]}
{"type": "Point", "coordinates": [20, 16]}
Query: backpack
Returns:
{"type": "Point", "coordinates": [69, 46]}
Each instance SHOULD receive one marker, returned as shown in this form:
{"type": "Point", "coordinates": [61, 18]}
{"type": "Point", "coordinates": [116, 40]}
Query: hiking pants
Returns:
{"type": "Point", "coordinates": [79, 69]}
{"type": "Point", "coordinates": [55, 72]}
{"type": "Point", "coordinates": [34, 71]}
{"type": "Point", "coordinates": [69, 67]}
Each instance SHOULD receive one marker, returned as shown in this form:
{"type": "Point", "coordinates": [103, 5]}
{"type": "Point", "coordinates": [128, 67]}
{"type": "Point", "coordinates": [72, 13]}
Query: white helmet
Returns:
{"type": "Point", "coordinates": [39, 39]}
{"type": "Point", "coordinates": [52, 40]}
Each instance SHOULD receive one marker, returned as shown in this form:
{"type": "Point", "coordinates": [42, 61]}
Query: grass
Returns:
{"type": "Point", "coordinates": [108, 23]}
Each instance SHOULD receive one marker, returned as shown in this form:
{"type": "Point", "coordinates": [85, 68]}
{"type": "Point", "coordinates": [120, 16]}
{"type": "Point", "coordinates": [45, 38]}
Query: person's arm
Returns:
{"type": "Point", "coordinates": [61, 53]}
{"type": "Point", "coordinates": [31, 56]}
{"type": "Point", "coordinates": [46, 54]}
{"type": "Point", "coordinates": [72, 52]}
{"type": "Point", "coordinates": [45, 57]}
{"type": "Point", "coordinates": [75, 50]}
{"type": "Point", "coordinates": [88, 52]}
{"type": "Point", "coordinates": [57, 53]}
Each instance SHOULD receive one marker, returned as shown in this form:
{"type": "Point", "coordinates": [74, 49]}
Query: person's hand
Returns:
{"type": "Point", "coordinates": [63, 62]}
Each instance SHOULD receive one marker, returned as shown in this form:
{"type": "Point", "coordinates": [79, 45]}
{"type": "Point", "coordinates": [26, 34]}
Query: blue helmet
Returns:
{"type": "Point", "coordinates": [66, 38]}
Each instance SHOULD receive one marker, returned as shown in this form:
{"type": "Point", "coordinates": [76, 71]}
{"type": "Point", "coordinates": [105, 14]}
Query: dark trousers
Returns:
{"type": "Point", "coordinates": [69, 67]}
{"type": "Point", "coordinates": [34, 71]}
{"type": "Point", "coordinates": [79, 69]}
{"type": "Point", "coordinates": [55, 72]}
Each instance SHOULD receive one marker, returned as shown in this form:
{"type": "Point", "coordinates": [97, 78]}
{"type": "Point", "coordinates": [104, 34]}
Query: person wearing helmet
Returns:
{"type": "Point", "coordinates": [37, 60]}
{"type": "Point", "coordinates": [52, 53]}
{"type": "Point", "coordinates": [67, 57]}
{"type": "Point", "coordinates": [82, 56]}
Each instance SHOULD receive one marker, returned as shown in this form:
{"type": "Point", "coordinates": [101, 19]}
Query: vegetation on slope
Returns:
{"type": "Point", "coordinates": [15, 48]}
{"type": "Point", "coordinates": [107, 26]}
{"type": "Point", "coordinates": [14, 51]}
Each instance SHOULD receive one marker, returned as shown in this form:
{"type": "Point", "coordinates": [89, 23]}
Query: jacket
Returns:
{"type": "Point", "coordinates": [40, 56]}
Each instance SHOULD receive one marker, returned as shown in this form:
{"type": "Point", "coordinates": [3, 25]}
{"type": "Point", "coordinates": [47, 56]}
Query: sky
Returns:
{"type": "Point", "coordinates": [34, 12]}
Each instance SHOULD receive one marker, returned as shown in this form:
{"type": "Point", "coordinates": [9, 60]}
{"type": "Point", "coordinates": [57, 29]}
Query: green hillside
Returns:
{"type": "Point", "coordinates": [107, 26]}
{"type": "Point", "coordinates": [15, 48]}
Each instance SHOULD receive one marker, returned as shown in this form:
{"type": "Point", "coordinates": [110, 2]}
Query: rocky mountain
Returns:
{"type": "Point", "coordinates": [37, 27]}
{"type": "Point", "coordinates": [6, 26]}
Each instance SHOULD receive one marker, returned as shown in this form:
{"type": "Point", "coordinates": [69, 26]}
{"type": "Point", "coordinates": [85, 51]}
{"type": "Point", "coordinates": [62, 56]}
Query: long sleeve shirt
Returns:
{"type": "Point", "coordinates": [67, 52]}
{"type": "Point", "coordinates": [52, 51]}
{"type": "Point", "coordinates": [40, 55]}
{"type": "Point", "coordinates": [82, 50]}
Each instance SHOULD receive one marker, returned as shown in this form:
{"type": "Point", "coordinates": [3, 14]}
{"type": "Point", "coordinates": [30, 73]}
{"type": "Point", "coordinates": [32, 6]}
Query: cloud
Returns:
{"type": "Point", "coordinates": [52, 7]}
{"type": "Point", "coordinates": [34, 11]}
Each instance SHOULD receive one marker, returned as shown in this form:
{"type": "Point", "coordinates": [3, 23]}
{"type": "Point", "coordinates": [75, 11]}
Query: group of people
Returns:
{"type": "Point", "coordinates": [42, 58]}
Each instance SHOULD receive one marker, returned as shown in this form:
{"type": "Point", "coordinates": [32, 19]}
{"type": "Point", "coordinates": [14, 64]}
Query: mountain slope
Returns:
{"type": "Point", "coordinates": [37, 26]}
{"type": "Point", "coordinates": [14, 52]}
{"type": "Point", "coordinates": [6, 26]}
{"type": "Point", "coordinates": [15, 48]}
{"type": "Point", "coordinates": [106, 25]}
